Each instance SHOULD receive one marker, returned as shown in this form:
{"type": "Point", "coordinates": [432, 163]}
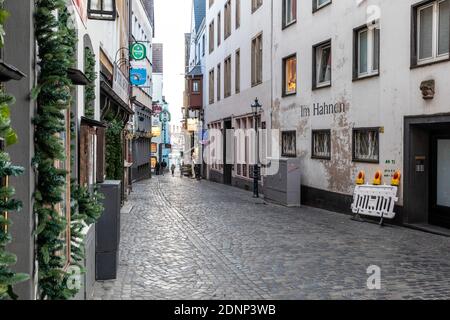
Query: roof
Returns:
{"type": "Point", "coordinates": [196, 71]}
{"type": "Point", "coordinates": [199, 12]}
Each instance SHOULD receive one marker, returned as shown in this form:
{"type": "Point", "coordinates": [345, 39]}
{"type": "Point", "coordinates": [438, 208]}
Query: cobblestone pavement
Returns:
{"type": "Point", "coordinates": [186, 239]}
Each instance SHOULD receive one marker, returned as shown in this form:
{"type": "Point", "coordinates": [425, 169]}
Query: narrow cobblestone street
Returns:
{"type": "Point", "coordinates": [186, 239]}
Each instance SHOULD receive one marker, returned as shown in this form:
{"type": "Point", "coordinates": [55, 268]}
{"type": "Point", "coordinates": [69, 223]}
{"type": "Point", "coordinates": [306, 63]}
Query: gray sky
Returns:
{"type": "Point", "coordinates": [172, 21]}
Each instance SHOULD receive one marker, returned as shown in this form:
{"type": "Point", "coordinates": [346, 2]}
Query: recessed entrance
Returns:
{"type": "Point", "coordinates": [427, 171]}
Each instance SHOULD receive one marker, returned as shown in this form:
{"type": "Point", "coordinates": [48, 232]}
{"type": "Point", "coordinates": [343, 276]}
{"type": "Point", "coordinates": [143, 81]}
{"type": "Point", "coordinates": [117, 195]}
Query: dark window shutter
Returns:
{"type": "Point", "coordinates": [101, 155]}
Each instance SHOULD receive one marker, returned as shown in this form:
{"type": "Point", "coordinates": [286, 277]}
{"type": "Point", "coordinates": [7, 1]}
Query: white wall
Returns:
{"type": "Point", "coordinates": [241, 38]}
{"type": "Point", "coordinates": [381, 101]}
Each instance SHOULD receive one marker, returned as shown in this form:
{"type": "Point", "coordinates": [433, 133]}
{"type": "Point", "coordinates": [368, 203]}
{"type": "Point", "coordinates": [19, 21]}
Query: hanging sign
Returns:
{"type": "Point", "coordinates": [138, 76]}
{"type": "Point", "coordinates": [138, 51]}
{"type": "Point", "coordinates": [156, 108]}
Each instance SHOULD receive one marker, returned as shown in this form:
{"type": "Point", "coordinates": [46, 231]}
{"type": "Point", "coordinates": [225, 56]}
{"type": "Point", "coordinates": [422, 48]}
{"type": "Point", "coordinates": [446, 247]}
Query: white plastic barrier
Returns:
{"type": "Point", "coordinates": [375, 201]}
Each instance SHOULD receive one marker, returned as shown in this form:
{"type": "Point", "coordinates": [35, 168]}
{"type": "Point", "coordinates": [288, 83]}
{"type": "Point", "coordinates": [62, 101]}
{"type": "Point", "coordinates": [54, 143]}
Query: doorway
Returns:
{"type": "Point", "coordinates": [227, 151]}
{"type": "Point", "coordinates": [427, 172]}
{"type": "Point", "coordinates": [440, 181]}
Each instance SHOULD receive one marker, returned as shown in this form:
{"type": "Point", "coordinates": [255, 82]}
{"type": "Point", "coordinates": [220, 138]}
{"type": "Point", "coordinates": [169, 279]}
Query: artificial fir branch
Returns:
{"type": "Point", "coordinates": [56, 45]}
{"type": "Point", "coordinates": [8, 278]}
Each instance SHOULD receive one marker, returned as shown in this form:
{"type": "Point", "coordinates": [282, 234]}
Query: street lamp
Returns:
{"type": "Point", "coordinates": [256, 108]}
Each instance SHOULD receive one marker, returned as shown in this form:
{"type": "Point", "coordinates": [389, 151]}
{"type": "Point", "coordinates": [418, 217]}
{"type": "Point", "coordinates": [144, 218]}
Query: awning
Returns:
{"type": "Point", "coordinates": [78, 77]}
{"type": "Point", "coordinates": [115, 97]}
{"type": "Point", "coordinates": [9, 72]}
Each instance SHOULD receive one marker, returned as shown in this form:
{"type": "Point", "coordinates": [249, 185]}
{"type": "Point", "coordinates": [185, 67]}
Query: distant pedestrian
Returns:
{"type": "Point", "coordinates": [157, 167]}
{"type": "Point", "coordinates": [172, 168]}
{"type": "Point", "coordinates": [163, 166]}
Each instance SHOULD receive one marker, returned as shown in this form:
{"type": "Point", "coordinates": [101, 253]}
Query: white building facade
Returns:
{"type": "Point", "coordinates": [238, 70]}
{"type": "Point", "coordinates": [356, 86]}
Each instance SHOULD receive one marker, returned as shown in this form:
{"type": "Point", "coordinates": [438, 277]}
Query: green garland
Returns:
{"type": "Point", "coordinates": [56, 44]}
{"type": "Point", "coordinates": [114, 158]}
{"type": "Point", "coordinates": [89, 89]}
{"type": "Point", "coordinates": [8, 278]}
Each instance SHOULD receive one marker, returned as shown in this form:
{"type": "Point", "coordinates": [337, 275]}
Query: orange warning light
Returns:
{"type": "Point", "coordinates": [361, 179]}
{"type": "Point", "coordinates": [396, 178]}
{"type": "Point", "coordinates": [377, 178]}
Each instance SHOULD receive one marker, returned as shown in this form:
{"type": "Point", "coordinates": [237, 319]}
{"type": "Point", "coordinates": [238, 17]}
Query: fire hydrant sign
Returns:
{"type": "Point", "coordinates": [138, 51]}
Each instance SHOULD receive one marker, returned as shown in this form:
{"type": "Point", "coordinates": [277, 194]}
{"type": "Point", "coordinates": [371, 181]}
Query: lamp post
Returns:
{"type": "Point", "coordinates": [256, 108]}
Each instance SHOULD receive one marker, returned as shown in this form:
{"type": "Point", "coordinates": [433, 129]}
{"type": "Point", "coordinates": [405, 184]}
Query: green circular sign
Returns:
{"type": "Point", "coordinates": [138, 51]}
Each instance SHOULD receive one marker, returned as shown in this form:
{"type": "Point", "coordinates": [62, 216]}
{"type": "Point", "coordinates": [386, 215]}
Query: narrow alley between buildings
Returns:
{"type": "Point", "coordinates": [187, 239]}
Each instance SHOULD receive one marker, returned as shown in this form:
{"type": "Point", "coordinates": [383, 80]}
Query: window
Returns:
{"type": "Point", "coordinates": [322, 65]}
{"type": "Point", "coordinates": [289, 144]}
{"type": "Point", "coordinates": [203, 45]}
{"type": "Point", "coordinates": [211, 36]}
{"type": "Point", "coordinates": [257, 55]}
{"type": "Point", "coordinates": [196, 86]}
{"type": "Point", "coordinates": [238, 13]}
{"type": "Point", "coordinates": [102, 9]}
{"type": "Point", "coordinates": [256, 4]}
{"type": "Point", "coordinates": [431, 32]}
{"type": "Point", "coordinates": [289, 12]}
{"type": "Point", "coordinates": [319, 4]}
{"type": "Point", "coordinates": [227, 79]}
{"type": "Point", "coordinates": [218, 82]}
{"type": "Point", "coordinates": [211, 86]}
{"type": "Point", "coordinates": [321, 144]}
{"type": "Point", "coordinates": [367, 52]}
{"type": "Point", "coordinates": [227, 22]}
{"type": "Point", "coordinates": [290, 75]}
{"type": "Point", "coordinates": [211, 2]}
{"type": "Point", "coordinates": [238, 71]}
{"type": "Point", "coordinates": [219, 30]}
{"type": "Point", "coordinates": [366, 145]}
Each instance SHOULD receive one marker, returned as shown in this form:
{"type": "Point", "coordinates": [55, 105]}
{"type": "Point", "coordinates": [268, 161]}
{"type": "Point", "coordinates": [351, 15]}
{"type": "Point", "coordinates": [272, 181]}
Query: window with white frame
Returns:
{"type": "Point", "coordinates": [256, 4]}
{"type": "Point", "coordinates": [432, 36]}
{"type": "Point", "coordinates": [366, 145]}
{"type": "Point", "coordinates": [321, 144]}
{"type": "Point", "coordinates": [319, 4]}
{"type": "Point", "coordinates": [289, 12]}
{"type": "Point", "coordinates": [102, 9]}
{"type": "Point", "coordinates": [367, 50]}
{"type": "Point", "coordinates": [322, 65]}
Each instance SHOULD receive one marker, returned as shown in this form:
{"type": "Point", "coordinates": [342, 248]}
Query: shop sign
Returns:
{"type": "Point", "coordinates": [120, 84]}
{"type": "Point", "coordinates": [154, 148]}
{"type": "Point", "coordinates": [157, 108]}
{"type": "Point", "coordinates": [192, 124]}
{"type": "Point", "coordinates": [138, 76]}
{"type": "Point", "coordinates": [138, 51]}
{"type": "Point", "coordinates": [156, 131]}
